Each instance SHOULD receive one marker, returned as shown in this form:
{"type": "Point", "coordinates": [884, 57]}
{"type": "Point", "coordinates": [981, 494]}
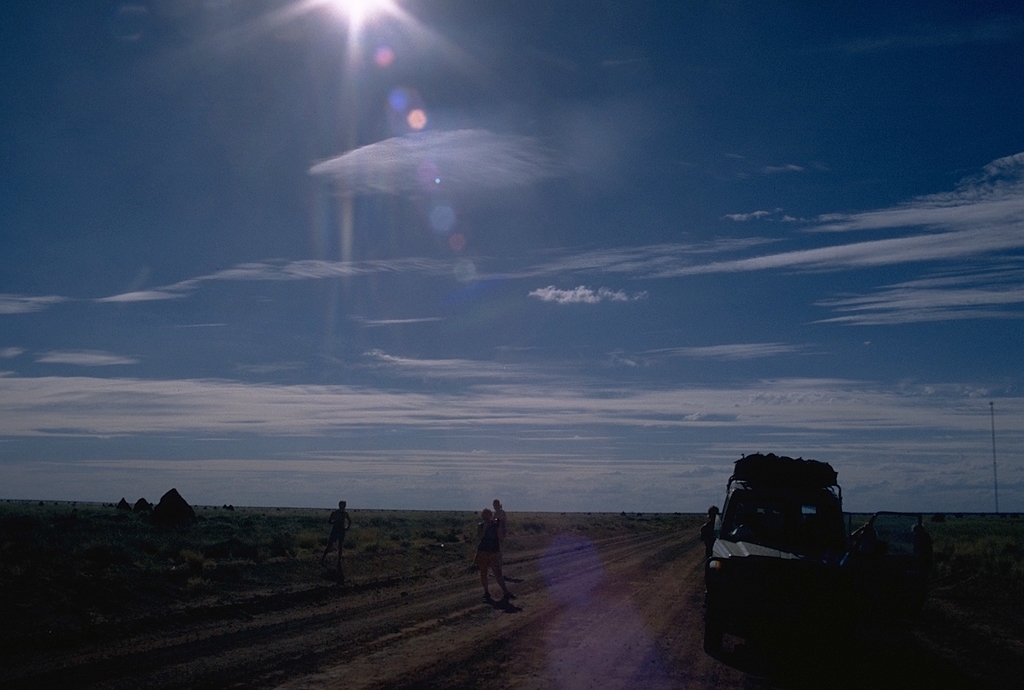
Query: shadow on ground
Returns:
{"type": "Point", "coordinates": [880, 657]}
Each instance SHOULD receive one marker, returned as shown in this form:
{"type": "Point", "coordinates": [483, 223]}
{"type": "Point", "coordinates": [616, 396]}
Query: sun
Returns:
{"type": "Point", "coordinates": [359, 11]}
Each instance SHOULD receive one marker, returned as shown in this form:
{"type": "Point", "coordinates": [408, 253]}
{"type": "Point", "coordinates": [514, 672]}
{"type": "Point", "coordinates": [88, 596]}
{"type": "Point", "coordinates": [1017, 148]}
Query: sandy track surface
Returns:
{"type": "Point", "coordinates": [619, 612]}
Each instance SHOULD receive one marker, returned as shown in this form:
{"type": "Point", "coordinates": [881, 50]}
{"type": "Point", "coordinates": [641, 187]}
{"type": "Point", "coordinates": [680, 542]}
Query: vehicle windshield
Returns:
{"type": "Point", "coordinates": [805, 524]}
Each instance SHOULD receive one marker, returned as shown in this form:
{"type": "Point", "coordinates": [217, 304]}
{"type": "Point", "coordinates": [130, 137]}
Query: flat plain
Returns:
{"type": "Point", "coordinates": [95, 597]}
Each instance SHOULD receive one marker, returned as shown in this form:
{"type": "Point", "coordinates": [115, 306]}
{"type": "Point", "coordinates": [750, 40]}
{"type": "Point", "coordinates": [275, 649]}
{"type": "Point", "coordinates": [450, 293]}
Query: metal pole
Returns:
{"type": "Point", "coordinates": [995, 476]}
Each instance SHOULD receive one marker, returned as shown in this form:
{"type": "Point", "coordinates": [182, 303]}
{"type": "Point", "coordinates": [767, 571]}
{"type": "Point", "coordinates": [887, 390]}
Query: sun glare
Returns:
{"type": "Point", "coordinates": [358, 11]}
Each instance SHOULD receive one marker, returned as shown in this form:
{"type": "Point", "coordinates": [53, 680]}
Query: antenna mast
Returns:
{"type": "Point", "coordinates": [995, 476]}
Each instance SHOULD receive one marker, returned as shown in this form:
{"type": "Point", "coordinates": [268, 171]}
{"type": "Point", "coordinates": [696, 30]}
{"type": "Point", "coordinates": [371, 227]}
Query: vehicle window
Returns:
{"type": "Point", "coordinates": [810, 527]}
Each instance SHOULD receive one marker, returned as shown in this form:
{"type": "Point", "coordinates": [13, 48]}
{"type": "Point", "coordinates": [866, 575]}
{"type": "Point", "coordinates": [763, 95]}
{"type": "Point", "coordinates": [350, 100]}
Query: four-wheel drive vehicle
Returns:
{"type": "Point", "coordinates": [775, 568]}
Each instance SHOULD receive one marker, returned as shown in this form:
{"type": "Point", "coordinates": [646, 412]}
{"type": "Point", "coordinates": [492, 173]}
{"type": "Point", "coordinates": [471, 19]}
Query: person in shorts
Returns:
{"type": "Point", "coordinates": [488, 552]}
{"type": "Point", "coordinates": [340, 522]}
{"type": "Point", "coordinates": [502, 520]}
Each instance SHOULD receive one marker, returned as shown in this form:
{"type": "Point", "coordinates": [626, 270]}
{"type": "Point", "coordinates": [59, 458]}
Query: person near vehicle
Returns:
{"type": "Point", "coordinates": [340, 522]}
{"type": "Point", "coordinates": [923, 548]}
{"type": "Point", "coordinates": [707, 531]}
{"type": "Point", "coordinates": [488, 553]}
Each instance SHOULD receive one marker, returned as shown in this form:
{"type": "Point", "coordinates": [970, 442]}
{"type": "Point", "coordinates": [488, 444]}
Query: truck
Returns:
{"type": "Point", "coordinates": [776, 567]}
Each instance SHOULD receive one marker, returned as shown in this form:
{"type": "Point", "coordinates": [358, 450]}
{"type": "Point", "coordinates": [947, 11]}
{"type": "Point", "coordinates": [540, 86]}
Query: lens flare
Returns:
{"type": "Point", "coordinates": [417, 119]}
{"type": "Point", "coordinates": [427, 174]}
{"type": "Point", "coordinates": [406, 111]}
{"type": "Point", "coordinates": [384, 56]}
{"type": "Point", "coordinates": [442, 218]}
{"type": "Point", "coordinates": [398, 99]}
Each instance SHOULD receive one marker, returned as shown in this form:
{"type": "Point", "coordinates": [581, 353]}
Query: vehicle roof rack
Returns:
{"type": "Point", "coordinates": [776, 470]}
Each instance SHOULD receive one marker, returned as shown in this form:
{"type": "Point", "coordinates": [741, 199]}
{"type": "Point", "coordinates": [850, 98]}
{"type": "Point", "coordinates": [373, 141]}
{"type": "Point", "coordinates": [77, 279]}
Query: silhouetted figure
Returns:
{"type": "Point", "coordinates": [922, 545]}
{"type": "Point", "coordinates": [341, 522]}
{"type": "Point", "coordinates": [502, 519]}
{"type": "Point", "coordinates": [707, 531]}
{"type": "Point", "coordinates": [488, 552]}
{"type": "Point", "coordinates": [865, 540]}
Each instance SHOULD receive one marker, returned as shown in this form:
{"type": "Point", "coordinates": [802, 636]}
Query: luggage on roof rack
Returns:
{"type": "Point", "coordinates": [778, 470]}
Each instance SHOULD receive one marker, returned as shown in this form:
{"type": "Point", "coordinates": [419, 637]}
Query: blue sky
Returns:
{"type": "Point", "coordinates": [580, 256]}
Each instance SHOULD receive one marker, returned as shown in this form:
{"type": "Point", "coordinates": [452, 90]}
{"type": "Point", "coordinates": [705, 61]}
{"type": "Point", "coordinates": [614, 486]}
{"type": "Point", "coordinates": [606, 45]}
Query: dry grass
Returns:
{"type": "Point", "coordinates": [980, 556]}
{"type": "Point", "coordinates": [68, 567]}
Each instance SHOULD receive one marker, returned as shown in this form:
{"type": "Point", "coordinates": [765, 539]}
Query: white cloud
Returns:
{"type": "Point", "coordinates": [507, 434]}
{"type": "Point", "coordinates": [731, 352]}
{"type": "Point", "coordinates": [369, 323]}
{"type": "Point", "coordinates": [584, 295]}
{"type": "Point", "coordinates": [983, 216]}
{"type": "Point", "coordinates": [789, 167]}
{"type": "Point", "coordinates": [916, 248]}
{"type": "Point", "coordinates": [991, 201]}
{"type": "Point", "coordinates": [452, 369]}
{"type": "Point", "coordinates": [989, 294]}
{"type": "Point", "coordinates": [142, 296]}
{"type": "Point", "coordinates": [11, 352]}
{"type": "Point", "coordinates": [84, 358]}
{"type": "Point", "coordinates": [742, 217]}
{"type": "Point", "coordinates": [20, 304]}
{"type": "Point", "coordinates": [522, 401]}
{"type": "Point", "coordinates": [998, 31]}
{"type": "Point", "coordinates": [464, 161]}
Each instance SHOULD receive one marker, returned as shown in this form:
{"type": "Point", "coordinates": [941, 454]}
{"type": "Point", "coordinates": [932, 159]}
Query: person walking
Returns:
{"type": "Point", "coordinates": [488, 553]}
{"type": "Point", "coordinates": [340, 522]}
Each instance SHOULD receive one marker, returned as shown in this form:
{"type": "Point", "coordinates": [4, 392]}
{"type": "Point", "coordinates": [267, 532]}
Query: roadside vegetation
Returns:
{"type": "Point", "coordinates": [979, 556]}
{"type": "Point", "coordinates": [71, 569]}
{"type": "Point", "coordinates": [975, 556]}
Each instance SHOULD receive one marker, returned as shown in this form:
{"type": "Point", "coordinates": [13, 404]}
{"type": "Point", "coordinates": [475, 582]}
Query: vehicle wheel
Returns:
{"type": "Point", "coordinates": [713, 630]}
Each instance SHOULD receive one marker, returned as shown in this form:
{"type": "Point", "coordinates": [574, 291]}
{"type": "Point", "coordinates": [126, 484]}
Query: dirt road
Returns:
{"type": "Point", "coordinates": [622, 612]}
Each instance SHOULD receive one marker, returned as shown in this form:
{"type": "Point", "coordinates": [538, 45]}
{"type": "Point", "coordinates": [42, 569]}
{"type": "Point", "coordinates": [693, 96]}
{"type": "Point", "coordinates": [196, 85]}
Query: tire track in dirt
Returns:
{"type": "Point", "coordinates": [355, 629]}
{"type": "Point", "coordinates": [639, 628]}
{"type": "Point", "coordinates": [613, 624]}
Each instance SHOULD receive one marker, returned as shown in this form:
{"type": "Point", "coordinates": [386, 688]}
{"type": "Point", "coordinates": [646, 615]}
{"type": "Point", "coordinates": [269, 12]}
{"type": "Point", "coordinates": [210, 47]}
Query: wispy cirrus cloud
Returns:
{"type": "Point", "coordinates": [143, 296]}
{"type": "Point", "coordinates": [24, 304]}
{"type": "Point", "coordinates": [461, 161]}
{"type": "Point", "coordinates": [31, 406]}
{"type": "Point", "coordinates": [584, 295]}
{"type": "Point", "coordinates": [281, 271]}
{"type": "Point", "coordinates": [371, 323]}
{"type": "Point", "coordinates": [872, 253]}
{"type": "Point", "coordinates": [984, 215]}
{"type": "Point", "coordinates": [982, 218]}
{"type": "Point", "coordinates": [450, 369]}
{"type": "Point", "coordinates": [737, 351]}
{"type": "Point", "coordinates": [11, 352]}
{"type": "Point", "coordinates": [992, 200]}
{"type": "Point", "coordinates": [994, 31]}
{"type": "Point", "coordinates": [987, 294]}
{"type": "Point", "coordinates": [84, 358]}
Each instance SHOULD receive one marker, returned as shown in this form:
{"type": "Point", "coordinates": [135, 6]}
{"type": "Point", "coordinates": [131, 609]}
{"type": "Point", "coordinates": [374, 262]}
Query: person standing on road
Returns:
{"type": "Point", "coordinates": [502, 519]}
{"type": "Point", "coordinates": [707, 531]}
{"type": "Point", "coordinates": [488, 553]}
{"type": "Point", "coordinates": [340, 522]}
